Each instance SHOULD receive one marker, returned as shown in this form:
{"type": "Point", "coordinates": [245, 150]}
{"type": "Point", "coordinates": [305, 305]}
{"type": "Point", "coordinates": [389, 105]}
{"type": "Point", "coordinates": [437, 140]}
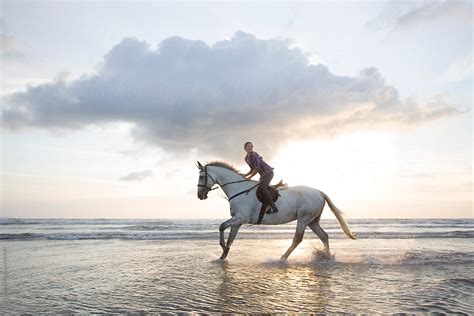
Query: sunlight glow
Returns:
{"type": "Point", "coordinates": [344, 166]}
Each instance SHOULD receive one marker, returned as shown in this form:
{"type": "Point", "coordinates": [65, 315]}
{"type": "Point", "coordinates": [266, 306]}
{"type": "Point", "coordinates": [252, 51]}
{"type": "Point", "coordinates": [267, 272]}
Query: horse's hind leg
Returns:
{"type": "Point", "coordinates": [300, 227]}
{"type": "Point", "coordinates": [316, 228]}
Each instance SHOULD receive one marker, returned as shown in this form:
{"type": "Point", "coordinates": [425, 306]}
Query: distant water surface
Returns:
{"type": "Point", "coordinates": [120, 266]}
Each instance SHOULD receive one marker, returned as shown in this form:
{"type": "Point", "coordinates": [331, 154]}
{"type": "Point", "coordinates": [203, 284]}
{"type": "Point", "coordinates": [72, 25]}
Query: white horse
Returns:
{"type": "Point", "coordinates": [300, 203]}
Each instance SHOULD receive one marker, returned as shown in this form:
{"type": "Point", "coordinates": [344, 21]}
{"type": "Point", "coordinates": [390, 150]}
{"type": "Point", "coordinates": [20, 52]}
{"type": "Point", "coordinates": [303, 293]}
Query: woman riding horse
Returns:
{"type": "Point", "coordinates": [256, 164]}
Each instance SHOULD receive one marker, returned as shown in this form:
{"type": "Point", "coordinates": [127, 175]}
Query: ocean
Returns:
{"type": "Point", "coordinates": [173, 266]}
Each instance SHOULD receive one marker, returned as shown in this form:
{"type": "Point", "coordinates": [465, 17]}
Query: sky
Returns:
{"type": "Point", "coordinates": [107, 106]}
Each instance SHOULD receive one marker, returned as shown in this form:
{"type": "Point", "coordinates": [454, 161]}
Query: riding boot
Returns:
{"type": "Point", "coordinates": [274, 208]}
{"type": "Point", "coordinates": [270, 202]}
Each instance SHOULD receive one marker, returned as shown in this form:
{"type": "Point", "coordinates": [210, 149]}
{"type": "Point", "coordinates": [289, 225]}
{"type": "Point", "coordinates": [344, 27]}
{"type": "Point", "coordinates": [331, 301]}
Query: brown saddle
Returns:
{"type": "Point", "coordinates": [273, 192]}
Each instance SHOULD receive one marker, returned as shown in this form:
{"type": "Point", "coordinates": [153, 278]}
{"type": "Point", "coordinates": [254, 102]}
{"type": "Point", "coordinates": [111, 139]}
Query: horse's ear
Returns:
{"type": "Point", "coordinates": [200, 166]}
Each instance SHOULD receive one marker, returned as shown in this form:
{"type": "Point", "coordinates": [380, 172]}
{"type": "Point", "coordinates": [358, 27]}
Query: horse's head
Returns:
{"type": "Point", "coordinates": [205, 182]}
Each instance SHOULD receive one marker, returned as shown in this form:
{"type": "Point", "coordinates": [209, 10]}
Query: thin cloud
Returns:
{"type": "Point", "coordinates": [437, 10]}
{"type": "Point", "coordinates": [137, 176]}
{"type": "Point", "coordinates": [459, 70]}
{"type": "Point", "coordinates": [187, 95]}
{"type": "Point", "coordinates": [12, 49]}
{"type": "Point", "coordinates": [404, 15]}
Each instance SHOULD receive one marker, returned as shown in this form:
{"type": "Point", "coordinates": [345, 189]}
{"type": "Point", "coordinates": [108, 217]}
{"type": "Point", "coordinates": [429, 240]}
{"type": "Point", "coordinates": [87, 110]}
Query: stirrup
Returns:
{"type": "Point", "coordinates": [271, 210]}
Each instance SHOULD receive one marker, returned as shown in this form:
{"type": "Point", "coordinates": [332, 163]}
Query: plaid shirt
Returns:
{"type": "Point", "coordinates": [256, 162]}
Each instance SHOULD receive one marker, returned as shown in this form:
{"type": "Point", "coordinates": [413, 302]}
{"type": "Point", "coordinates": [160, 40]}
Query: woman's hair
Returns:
{"type": "Point", "coordinates": [245, 145]}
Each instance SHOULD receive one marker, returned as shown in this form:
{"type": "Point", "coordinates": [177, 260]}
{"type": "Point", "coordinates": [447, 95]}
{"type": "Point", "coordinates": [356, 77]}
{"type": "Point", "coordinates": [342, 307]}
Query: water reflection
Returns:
{"type": "Point", "coordinates": [272, 286]}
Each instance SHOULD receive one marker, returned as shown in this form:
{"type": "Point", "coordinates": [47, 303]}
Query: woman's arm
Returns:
{"type": "Point", "coordinates": [253, 166]}
{"type": "Point", "coordinates": [250, 174]}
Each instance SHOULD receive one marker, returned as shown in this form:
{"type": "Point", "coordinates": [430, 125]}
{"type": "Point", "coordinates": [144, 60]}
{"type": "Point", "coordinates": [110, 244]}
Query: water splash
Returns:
{"type": "Point", "coordinates": [319, 255]}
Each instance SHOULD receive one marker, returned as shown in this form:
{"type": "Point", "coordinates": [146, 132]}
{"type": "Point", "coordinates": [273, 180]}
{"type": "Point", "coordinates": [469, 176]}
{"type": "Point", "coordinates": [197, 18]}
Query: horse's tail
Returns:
{"type": "Point", "coordinates": [339, 217]}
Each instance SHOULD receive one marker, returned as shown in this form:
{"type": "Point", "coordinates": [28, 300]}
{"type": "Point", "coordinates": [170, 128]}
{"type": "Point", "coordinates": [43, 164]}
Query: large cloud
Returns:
{"type": "Point", "coordinates": [187, 94]}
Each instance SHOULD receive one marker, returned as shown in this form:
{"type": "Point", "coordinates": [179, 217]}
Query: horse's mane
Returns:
{"type": "Point", "coordinates": [280, 185]}
{"type": "Point", "coordinates": [223, 164]}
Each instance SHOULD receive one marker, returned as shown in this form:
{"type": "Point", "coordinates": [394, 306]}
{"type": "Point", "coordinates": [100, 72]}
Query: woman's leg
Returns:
{"type": "Point", "coordinates": [263, 186]}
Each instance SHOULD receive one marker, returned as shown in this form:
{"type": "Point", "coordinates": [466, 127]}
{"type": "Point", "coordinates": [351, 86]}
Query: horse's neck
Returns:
{"type": "Point", "coordinates": [225, 176]}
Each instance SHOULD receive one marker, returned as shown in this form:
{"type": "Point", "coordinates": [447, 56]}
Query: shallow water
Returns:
{"type": "Point", "coordinates": [119, 275]}
{"type": "Point", "coordinates": [136, 229]}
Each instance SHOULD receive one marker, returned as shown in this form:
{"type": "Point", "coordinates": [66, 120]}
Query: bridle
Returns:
{"type": "Point", "coordinates": [205, 181]}
{"type": "Point", "coordinates": [222, 185]}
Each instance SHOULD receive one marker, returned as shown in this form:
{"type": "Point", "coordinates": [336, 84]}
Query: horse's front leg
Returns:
{"type": "Point", "coordinates": [222, 228]}
{"type": "Point", "coordinates": [233, 232]}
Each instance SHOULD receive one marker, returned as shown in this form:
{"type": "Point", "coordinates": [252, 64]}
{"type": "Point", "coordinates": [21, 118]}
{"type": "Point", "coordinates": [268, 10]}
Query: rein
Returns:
{"type": "Point", "coordinates": [222, 185]}
{"type": "Point", "coordinates": [245, 191]}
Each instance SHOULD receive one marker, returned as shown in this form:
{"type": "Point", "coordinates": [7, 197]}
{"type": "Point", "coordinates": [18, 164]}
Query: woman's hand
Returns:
{"type": "Point", "coordinates": [249, 175]}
